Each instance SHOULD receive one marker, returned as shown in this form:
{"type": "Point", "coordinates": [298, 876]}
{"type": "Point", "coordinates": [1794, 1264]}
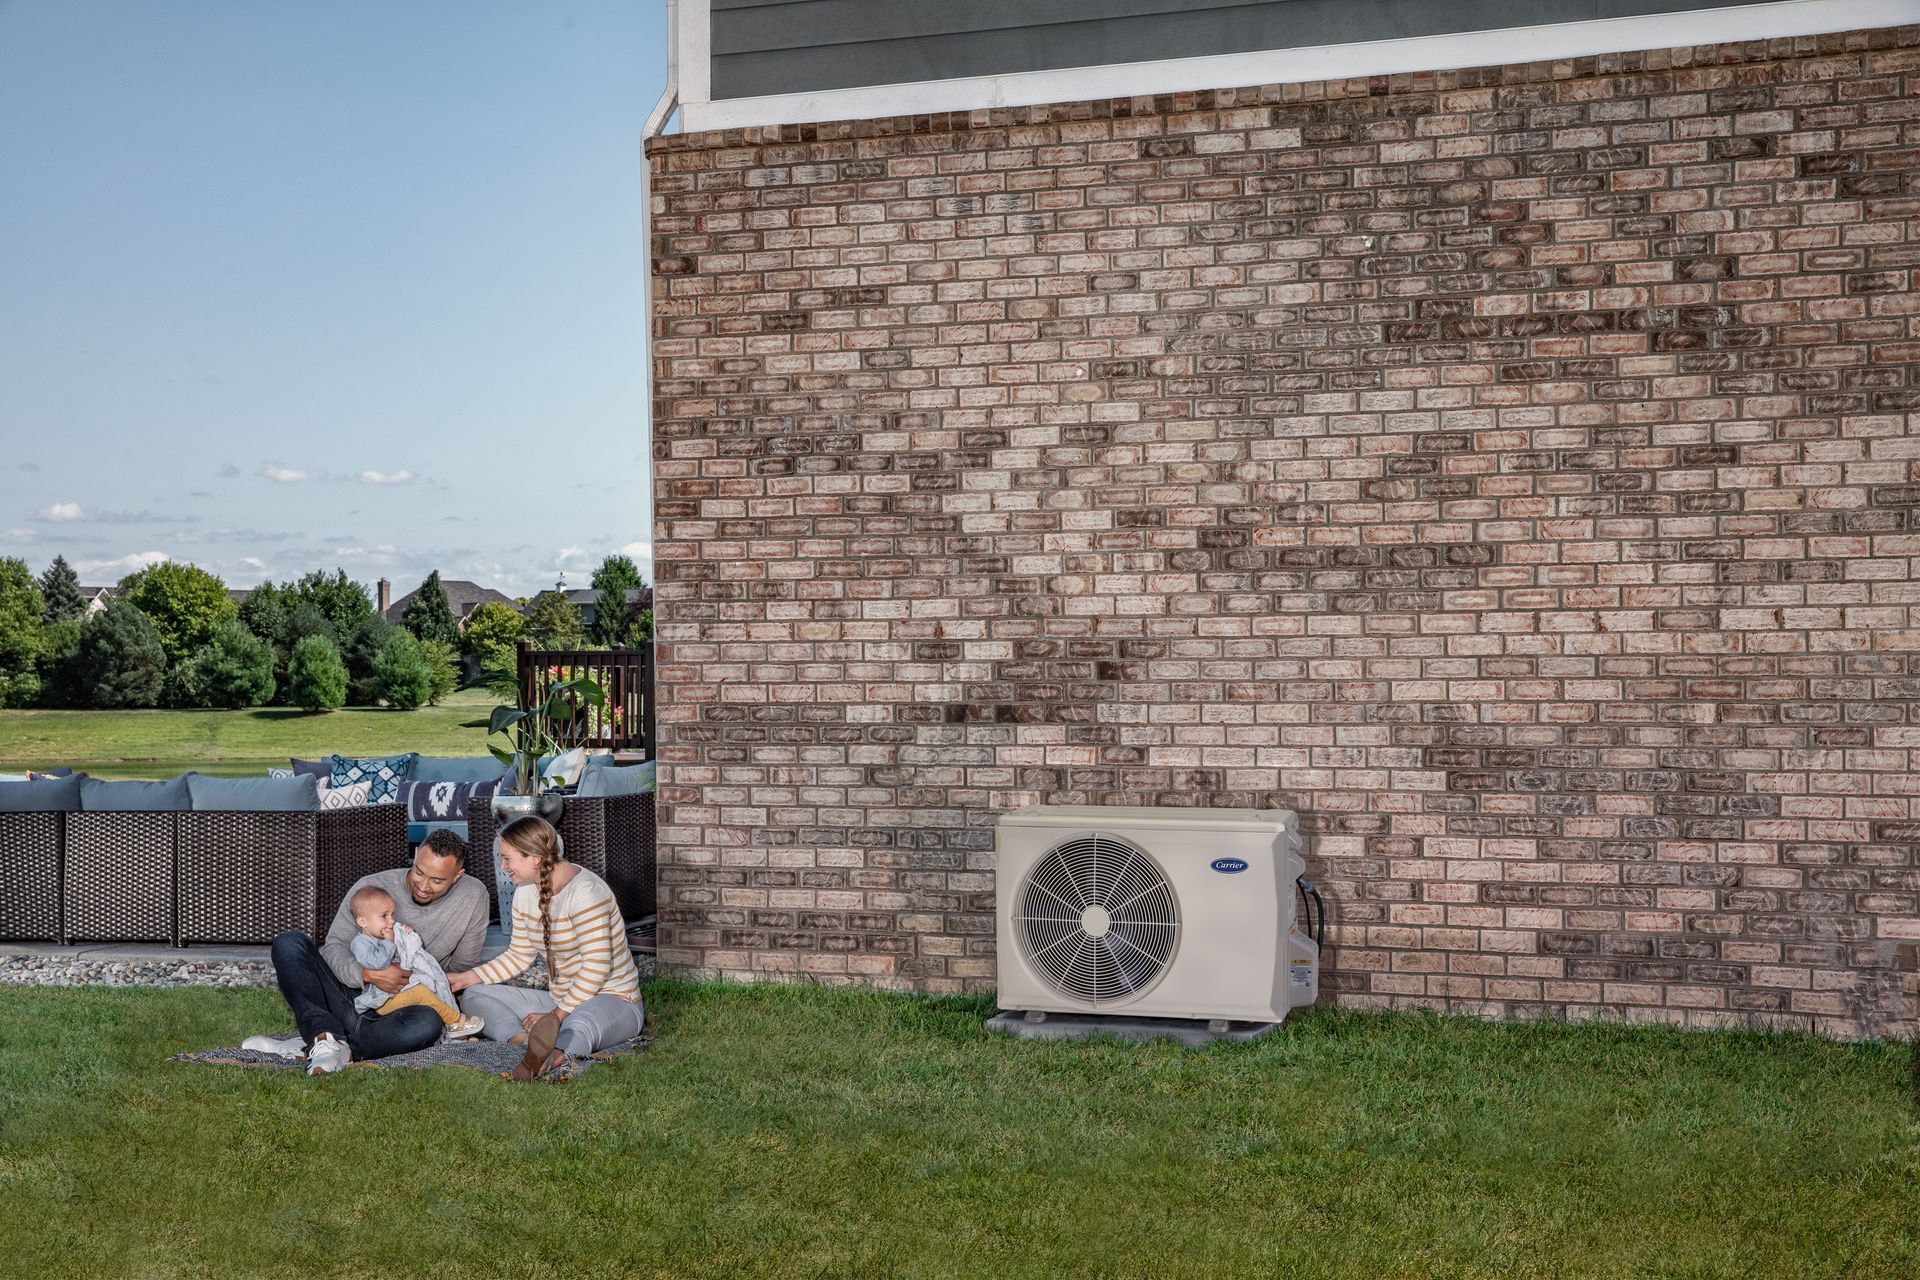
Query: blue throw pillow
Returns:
{"type": "Point", "coordinates": [254, 795]}
{"type": "Point", "coordinates": [442, 801]}
{"type": "Point", "coordinates": [322, 769]}
{"type": "Point", "coordinates": [607, 780]}
{"type": "Point", "coordinates": [100, 796]}
{"type": "Point", "coordinates": [386, 773]}
{"type": "Point", "coordinates": [456, 769]}
{"type": "Point", "coordinates": [54, 795]}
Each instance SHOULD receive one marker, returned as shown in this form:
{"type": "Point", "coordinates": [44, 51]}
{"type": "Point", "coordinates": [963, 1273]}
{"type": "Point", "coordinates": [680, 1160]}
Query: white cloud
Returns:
{"type": "Point", "coordinates": [118, 569]}
{"type": "Point", "coordinates": [69, 512]}
{"type": "Point", "coordinates": [638, 551]}
{"type": "Point", "coordinates": [19, 535]}
{"type": "Point", "coordinates": [290, 475]}
{"type": "Point", "coordinates": [386, 477]}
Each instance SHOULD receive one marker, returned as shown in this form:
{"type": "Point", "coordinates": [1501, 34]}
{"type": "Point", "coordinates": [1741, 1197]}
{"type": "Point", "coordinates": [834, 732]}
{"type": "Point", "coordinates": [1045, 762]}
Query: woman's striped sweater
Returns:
{"type": "Point", "coordinates": [590, 956]}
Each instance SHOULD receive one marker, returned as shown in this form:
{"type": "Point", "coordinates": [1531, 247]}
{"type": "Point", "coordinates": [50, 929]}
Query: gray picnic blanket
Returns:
{"type": "Point", "coordinates": [491, 1056]}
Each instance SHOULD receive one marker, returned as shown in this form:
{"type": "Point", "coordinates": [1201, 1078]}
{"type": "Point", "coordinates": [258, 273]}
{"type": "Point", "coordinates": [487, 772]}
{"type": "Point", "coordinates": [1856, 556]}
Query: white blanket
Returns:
{"type": "Point", "coordinates": [409, 954]}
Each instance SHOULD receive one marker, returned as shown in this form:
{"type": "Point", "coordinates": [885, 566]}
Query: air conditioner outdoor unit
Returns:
{"type": "Point", "coordinates": [1154, 913]}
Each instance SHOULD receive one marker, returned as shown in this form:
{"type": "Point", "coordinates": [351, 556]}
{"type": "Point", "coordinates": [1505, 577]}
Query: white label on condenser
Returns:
{"type": "Point", "coordinates": [1302, 973]}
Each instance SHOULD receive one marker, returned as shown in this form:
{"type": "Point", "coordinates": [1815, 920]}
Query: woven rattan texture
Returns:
{"type": "Point", "coordinates": [630, 854]}
{"type": "Point", "coordinates": [30, 876]}
{"type": "Point", "coordinates": [480, 833]}
{"type": "Point", "coordinates": [352, 843]}
{"type": "Point", "coordinates": [611, 836]}
{"type": "Point", "coordinates": [119, 878]}
{"type": "Point", "coordinates": [245, 877]}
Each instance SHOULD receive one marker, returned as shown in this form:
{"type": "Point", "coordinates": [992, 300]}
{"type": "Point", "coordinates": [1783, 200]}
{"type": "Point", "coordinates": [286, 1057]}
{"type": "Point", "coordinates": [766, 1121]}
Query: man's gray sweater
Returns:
{"type": "Point", "coordinates": [452, 928]}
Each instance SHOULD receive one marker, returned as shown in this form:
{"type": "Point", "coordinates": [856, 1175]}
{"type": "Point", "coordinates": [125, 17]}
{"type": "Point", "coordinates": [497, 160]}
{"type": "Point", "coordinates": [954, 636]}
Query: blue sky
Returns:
{"type": "Point", "coordinates": [292, 286]}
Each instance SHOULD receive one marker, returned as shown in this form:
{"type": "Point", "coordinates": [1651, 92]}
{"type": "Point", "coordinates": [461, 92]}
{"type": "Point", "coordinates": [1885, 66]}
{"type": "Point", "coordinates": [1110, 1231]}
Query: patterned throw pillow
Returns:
{"type": "Point", "coordinates": [443, 801]}
{"type": "Point", "coordinates": [348, 797]}
{"type": "Point", "coordinates": [284, 773]}
{"type": "Point", "coordinates": [386, 773]}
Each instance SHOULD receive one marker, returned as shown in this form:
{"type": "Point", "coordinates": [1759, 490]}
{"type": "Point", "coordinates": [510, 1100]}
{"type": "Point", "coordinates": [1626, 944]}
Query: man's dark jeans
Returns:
{"type": "Point", "coordinates": [321, 1002]}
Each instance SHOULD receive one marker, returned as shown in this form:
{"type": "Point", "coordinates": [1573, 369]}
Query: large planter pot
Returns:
{"type": "Point", "coordinates": [547, 804]}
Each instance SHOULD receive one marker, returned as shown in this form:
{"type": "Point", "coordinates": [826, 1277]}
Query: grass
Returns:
{"type": "Point", "coordinates": [793, 1132]}
{"type": "Point", "coordinates": [161, 744]}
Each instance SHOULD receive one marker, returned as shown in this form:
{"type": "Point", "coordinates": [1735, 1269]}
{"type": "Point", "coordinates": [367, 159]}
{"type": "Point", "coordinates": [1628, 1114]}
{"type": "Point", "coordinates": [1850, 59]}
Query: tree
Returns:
{"type": "Point", "coordinates": [359, 649]}
{"type": "Point", "coordinates": [316, 678]}
{"type": "Point", "coordinates": [553, 622]}
{"type": "Point", "coordinates": [21, 610]}
{"type": "Point", "coordinates": [60, 590]}
{"type": "Point", "coordinates": [401, 674]}
{"type": "Point", "coordinates": [234, 670]}
{"type": "Point", "coordinates": [184, 602]}
{"type": "Point", "coordinates": [429, 615]}
{"type": "Point", "coordinates": [613, 614]}
{"type": "Point", "coordinates": [492, 635]}
{"type": "Point", "coordinates": [59, 646]}
{"type": "Point", "coordinates": [641, 631]}
{"type": "Point", "coordinates": [264, 612]}
{"type": "Point", "coordinates": [343, 602]}
{"type": "Point", "coordinates": [443, 661]}
{"type": "Point", "coordinates": [121, 662]}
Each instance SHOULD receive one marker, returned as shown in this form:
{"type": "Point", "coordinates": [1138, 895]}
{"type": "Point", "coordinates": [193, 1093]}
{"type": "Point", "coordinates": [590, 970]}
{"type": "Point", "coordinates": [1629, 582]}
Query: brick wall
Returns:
{"type": "Point", "coordinates": [1515, 471]}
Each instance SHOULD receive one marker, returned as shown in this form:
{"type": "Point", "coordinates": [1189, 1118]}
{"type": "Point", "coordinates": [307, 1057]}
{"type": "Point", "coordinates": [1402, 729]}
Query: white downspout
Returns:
{"type": "Point", "coordinates": [656, 122]}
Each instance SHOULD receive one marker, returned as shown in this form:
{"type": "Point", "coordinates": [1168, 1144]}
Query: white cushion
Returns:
{"type": "Point", "coordinates": [348, 797]}
{"type": "Point", "coordinates": [568, 767]}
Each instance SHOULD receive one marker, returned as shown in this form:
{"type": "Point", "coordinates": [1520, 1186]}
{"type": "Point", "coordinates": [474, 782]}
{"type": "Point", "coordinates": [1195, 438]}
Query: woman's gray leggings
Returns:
{"type": "Point", "coordinates": [593, 1025]}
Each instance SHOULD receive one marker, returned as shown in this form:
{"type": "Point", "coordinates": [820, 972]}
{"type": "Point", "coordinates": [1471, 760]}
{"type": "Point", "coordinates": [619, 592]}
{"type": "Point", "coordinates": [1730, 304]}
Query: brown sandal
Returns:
{"type": "Point", "coordinates": [538, 1059]}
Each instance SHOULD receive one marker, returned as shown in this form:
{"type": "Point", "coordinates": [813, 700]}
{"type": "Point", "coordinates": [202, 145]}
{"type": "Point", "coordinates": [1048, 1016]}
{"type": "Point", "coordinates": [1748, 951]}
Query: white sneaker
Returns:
{"type": "Point", "coordinates": [466, 1028]}
{"type": "Point", "coordinates": [279, 1046]}
{"type": "Point", "coordinates": [327, 1056]}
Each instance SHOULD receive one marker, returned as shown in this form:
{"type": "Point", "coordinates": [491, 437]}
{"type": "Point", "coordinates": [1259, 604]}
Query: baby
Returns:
{"type": "Point", "coordinates": [381, 942]}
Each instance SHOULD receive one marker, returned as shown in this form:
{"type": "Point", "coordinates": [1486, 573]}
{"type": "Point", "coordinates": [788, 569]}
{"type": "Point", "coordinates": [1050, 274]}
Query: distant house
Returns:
{"type": "Point", "coordinates": [464, 596]}
{"type": "Point", "coordinates": [96, 598]}
{"type": "Point", "coordinates": [587, 601]}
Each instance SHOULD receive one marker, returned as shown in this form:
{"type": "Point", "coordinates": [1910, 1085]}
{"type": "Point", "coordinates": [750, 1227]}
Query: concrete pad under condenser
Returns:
{"type": "Point", "coordinates": [1190, 1032]}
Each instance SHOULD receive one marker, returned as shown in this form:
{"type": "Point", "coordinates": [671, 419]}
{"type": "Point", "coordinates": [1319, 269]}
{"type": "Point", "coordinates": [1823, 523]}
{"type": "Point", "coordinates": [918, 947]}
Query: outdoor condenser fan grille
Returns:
{"type": "Point", "coordinates": [1097, 917]}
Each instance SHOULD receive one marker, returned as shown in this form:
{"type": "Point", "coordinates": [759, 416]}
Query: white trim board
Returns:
{"type": "Point", "coordinates": [1278, 66]}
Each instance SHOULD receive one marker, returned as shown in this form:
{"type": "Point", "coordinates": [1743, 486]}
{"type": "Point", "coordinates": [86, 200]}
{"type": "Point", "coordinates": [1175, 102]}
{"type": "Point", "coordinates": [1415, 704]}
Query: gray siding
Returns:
{"type": "Point", "coordinates": [794, 46]}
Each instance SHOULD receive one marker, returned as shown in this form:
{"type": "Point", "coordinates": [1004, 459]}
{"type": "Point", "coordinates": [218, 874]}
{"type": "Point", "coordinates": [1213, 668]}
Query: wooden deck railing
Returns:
{"type": "Point", "coordinates": [625, 724]}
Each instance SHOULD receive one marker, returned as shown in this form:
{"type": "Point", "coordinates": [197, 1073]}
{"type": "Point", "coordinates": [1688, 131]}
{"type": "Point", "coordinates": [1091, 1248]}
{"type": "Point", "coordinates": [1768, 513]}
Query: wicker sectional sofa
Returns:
{"type": "Point", "coordinates": [182, 878]}
{"type": "Point", "coordinates": [243, 877]}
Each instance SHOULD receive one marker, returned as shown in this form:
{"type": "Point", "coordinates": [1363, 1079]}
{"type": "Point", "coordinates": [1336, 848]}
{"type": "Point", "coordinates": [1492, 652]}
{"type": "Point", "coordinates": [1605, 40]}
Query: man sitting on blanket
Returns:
{"type": "Point", "coordinates": [322, 985]}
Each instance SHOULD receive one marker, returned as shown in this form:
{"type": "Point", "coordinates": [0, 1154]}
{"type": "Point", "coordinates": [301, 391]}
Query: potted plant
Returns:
{"type": "Point", "coordinates": [533, 731]}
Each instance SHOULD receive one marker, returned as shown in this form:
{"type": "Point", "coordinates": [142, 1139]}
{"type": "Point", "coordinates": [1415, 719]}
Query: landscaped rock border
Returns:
{"type": "Point", "coordinates": [167, 971]}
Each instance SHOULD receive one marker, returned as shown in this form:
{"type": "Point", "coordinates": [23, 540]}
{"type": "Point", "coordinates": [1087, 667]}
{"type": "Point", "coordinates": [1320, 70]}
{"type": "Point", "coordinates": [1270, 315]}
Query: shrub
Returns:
{"type": "Point", "coordinates": [235, 671]}
{"type": "Point", "coordinates": [493, 634]}
{"type": "Point", "coordinates": [553, 622]}
{"type": "Point", "coordinates": [401, 673]}
{"type": "Point", "coordinates": [359, 649]}
{"type": "Point", "coordinates": [59, 667]}
{"type": "Point", "coordinates": [444, 664]}
{"type": "Point", "coordinates": [120, 662]}
{"type": "Point", "coordinates": [316, 677]}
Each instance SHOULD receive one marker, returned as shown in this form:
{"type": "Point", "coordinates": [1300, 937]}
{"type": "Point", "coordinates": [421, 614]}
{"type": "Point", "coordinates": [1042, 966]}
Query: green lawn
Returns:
{"type": "Point", "coordinates": [161, 744]}
{"type": "Point", "coordinates": [788, 1132]}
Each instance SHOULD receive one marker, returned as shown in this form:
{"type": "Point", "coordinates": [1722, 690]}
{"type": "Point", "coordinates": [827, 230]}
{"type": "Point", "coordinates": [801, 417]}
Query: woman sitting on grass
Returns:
{"type": "Point", "coordinates": [593, 991]}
